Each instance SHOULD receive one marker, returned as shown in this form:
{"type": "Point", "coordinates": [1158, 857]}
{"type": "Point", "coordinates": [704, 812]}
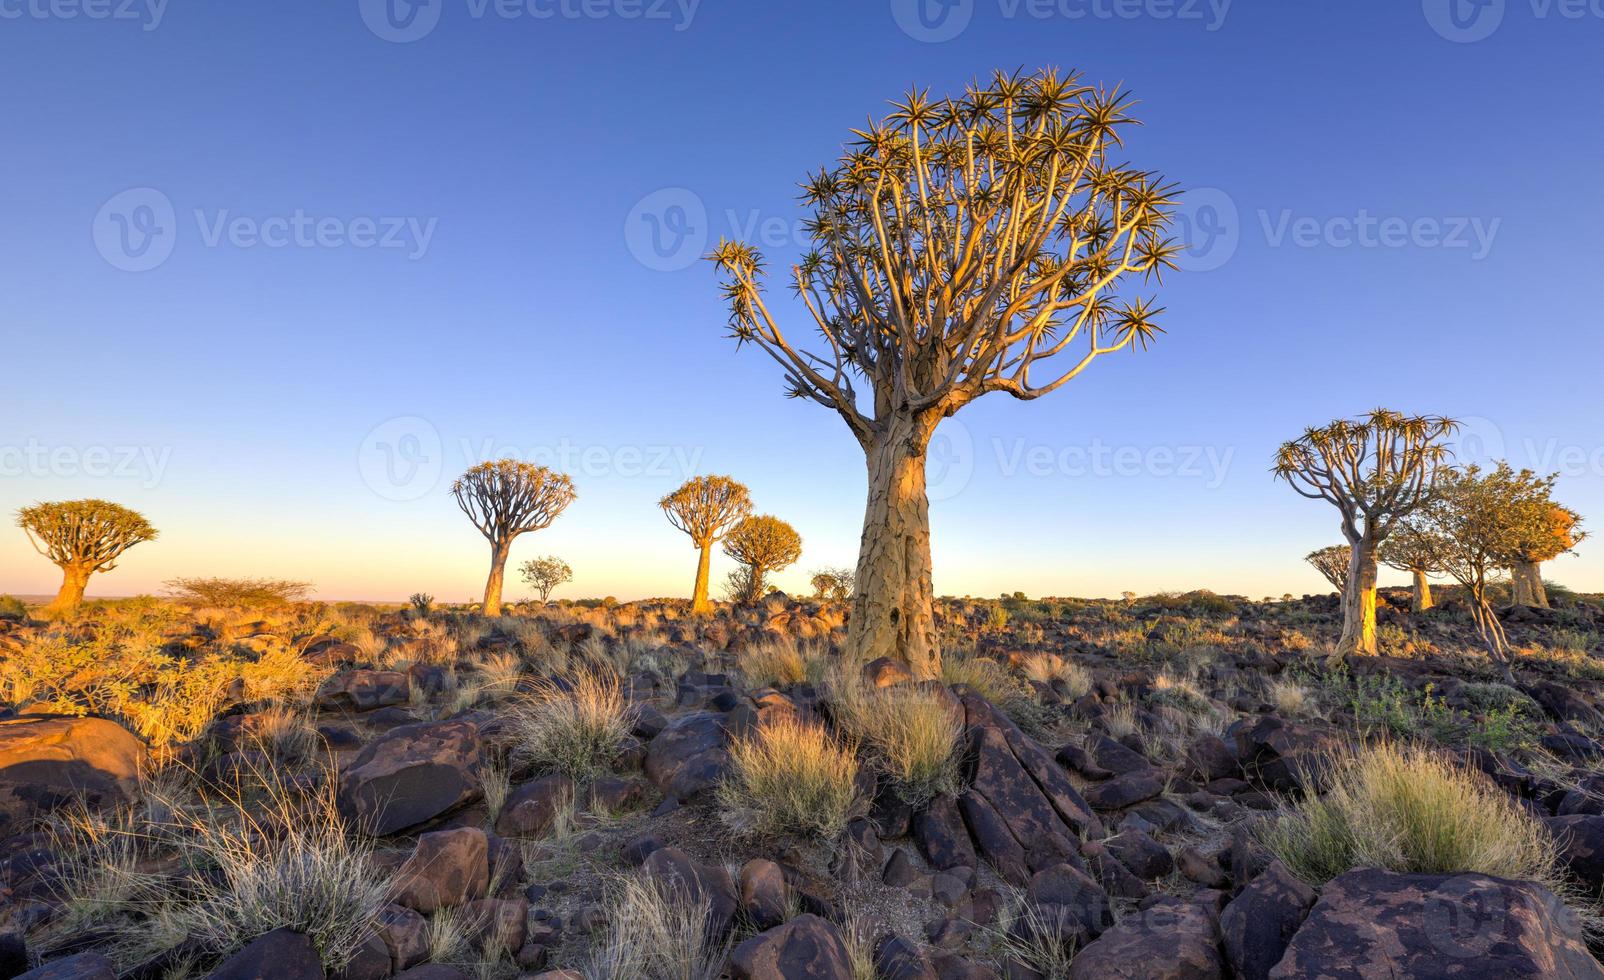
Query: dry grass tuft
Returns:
{"type": "Point", "coordinates": [791, 777]}
{"type": "Point", "coordinates": [654, 932]}
{"type": "Point", "coordinates": [1045, 668]}
{"type": "Point", "coordinates": [575, 728]}
{"type": "Point", "coordinates": [1408, 809]}
{"type": "Point", "coordinates": [912, 734]}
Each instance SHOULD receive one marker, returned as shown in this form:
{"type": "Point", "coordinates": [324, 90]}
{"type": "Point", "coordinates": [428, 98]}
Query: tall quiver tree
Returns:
{"type": "Point", "coordinates": [1559, 532]}
{"type": "Point", "coordinates": [82, 537]}
{"type": "Point", "coordinates": [958, 246]}
{"type": "Point", "coordinates": [1407, 550]}
{"type": "Point", "coordinates": [1376, 471]}
{"type": "Point", "coordinates": [504, 499]}
{"type": "Point", "coordinates": [705, 507]}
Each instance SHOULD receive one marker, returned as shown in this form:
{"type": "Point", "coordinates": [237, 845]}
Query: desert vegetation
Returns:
{"type": "Point", "coordinates": [868, 782]}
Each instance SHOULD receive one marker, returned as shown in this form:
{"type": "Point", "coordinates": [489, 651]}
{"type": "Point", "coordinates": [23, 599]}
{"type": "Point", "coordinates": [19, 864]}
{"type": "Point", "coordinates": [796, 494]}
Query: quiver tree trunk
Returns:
{"type": "Point", "coordinates": [1527, 580]}
{"type": "Point", "coordinates": [498, 573]}
{"type": "Point", "coordinates": [893, 611]}
{"type": "Point", "coordinates": [1422, 596]}
{"type": "Point", "coordinates": [699, 602]}
{"type": "Point", "coordinates": [1359, 601]}
{"type": "Point", "coordinates": [74, 580]}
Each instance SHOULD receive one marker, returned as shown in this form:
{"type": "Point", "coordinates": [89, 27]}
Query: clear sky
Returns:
{"type": "Point", "coordinates": [272, 273]}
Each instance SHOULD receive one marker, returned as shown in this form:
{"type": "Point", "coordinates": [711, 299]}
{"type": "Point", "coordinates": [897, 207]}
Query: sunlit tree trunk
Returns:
{"type": "Point", "coordinates": [498, 573]}
{"type": "Point", "coordinates": [1527, 579]}
{"type": "Point", "coordinates": [1422, 590]}
{"type": "Point", "coordinates": [74, 579]}
{"type": "Point", "coordinates": [893, 606]}
{"type": "Point", "coordinates": [1359, 601]}
{"type": "Point", "coordinates": [699, 600]}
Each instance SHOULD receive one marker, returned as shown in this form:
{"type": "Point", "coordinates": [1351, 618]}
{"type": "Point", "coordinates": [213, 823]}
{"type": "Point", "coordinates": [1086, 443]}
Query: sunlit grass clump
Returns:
{"type": "Point", "coordinates": [1407, 809]}
{"type": "Point", "coordinates": [912, 734]}
{"type": "Point", "coordinates": [655, 930]}
{"type": "Point", "coordinates": [575, 728]}
{"type": "Point", "coordinates": [791, 778]}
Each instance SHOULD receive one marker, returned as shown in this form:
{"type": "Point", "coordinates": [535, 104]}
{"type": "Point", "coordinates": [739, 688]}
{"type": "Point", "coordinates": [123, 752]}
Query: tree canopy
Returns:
{"type": "Point", "coordinates": [88, 534]}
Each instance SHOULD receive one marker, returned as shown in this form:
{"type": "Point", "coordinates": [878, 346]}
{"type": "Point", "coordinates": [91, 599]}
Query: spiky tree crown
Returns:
{"type": "Point", "coordinates": [1374, 469]}
{"type": "Point", "coordinates": [90, 534]}
{"type": "Point", "coordinates": [705, 506]}
{"type": "Point", "coordinates": [959, 243]}
{"type": "Point", "coordinates": [764, 542]}
{"type": "Point", "coordinates": [508, 497]}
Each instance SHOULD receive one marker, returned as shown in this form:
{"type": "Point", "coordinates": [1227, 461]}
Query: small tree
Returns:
{"type": "Point", "coordinates": [1332, 563]}
{"type": "Point", "coordinates": [763, 544]}
{"type": "Point", "coordinates": [1376, 471]}
{"type": "Point", "coordinates": [704, 508]}
{"type": "Point", "coordinates": [504, 499]}
{"type": "Point", "coordinates": [82, 537]}
{"type": "Point", "coordinates": [832, 584]}
{"type": "Point", "coordinates": [1407, 551]}
{"type": "Point", "coordinates": [961, 247]}
{"type": "Point", "coordinates": [545, 574]}
{"type": "Point", "coordinates": [1476, 523]}
{"type": "Point", "coordinates": [1559, 533]}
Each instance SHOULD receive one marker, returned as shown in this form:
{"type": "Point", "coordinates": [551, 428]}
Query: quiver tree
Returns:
{"type": "Point", "coordinates": [82, 537]}
{"type": "Point", "coordinates": [704, 508]}
{"type": "Point", "coordinates": [832, 584]}
{"type": "Point", "coordinates": [1332, 563]}
{"type": "Point", "coordinates": [504, 499]}
{"type": "Point", "coordinates": [762, 544]}
{"type": "Point", "coordinates": [1376, 471]}
{"type": "Point", "coordinates": [960, 247]}
{"type": "Point", "coordinates": [1407, 551]}
{"type": "Point", "coordinates": [1476, 523]}
{"type": "Point", "coordinates": [1558, 533]}
{"type": "Point", "coordinates": [545, 574]}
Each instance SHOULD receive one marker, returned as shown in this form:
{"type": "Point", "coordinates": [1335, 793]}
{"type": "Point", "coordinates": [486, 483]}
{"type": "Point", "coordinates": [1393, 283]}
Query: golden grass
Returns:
{"type": "Point", "coordinates": [791, 777]}
{"type": "Point", "coordinates": [1045, 668]}
{"type": "Point", "coordinates": [1408, 809]}
{"type": "Point", "coordinates": [910, 733]}
{"type": "Point", "coordinates": [654, 932]}
{"type": "Point", "coordinates": [575, 728]}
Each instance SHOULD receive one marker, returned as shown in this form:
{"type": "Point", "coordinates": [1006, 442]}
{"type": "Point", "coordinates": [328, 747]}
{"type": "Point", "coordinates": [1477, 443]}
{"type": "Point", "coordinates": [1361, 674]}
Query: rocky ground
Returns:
{"type": "Point", "coordinates": [1118, 763]}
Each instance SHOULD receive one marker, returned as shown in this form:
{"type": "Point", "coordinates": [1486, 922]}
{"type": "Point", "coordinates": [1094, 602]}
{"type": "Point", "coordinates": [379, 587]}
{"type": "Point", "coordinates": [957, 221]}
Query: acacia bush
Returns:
{"type": "Point", "coordinates": [231, 592]}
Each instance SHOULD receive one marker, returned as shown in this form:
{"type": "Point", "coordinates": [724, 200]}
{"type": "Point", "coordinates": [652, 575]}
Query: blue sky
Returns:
{"type": "Point", "coordinates": [273, 273]}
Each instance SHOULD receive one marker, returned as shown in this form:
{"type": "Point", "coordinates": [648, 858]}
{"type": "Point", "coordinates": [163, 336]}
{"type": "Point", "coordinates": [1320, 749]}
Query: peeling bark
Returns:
{"type": "Point", "coordinates": [699, 601]}
{"type": "Point", "coordinates": [1527, 579]}
{"type": "Point", "coordinates": [893, 612]}
{"type": "Point", "coordinates": [498, 573]}
{"type": "Point", "coordinates": [1359, 601]}
{"type": "Point", "coordinates": [74, 580]}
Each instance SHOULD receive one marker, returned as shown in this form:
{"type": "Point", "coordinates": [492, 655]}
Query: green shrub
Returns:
{"type": "Point", "coordinates": [12, 608]}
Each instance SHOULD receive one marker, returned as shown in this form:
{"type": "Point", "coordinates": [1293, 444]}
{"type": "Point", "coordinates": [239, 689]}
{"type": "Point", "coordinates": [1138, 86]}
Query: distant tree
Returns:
{"type": "Point", "coordinates": [958, 245]}
{"type": "Point", "coordinates": [704, 508]}
{"type": "Point", "coordinates": [1407, 551]}
{"type": "Point", "coordinates": [545, 574]}
{"type": "Point", "coordinates": [247, 592]}
{"type": "Point", "coordinates": [1476, 523]}
{"type": "Point", "coordinates": [81, 537]}
{"type": "Point", "coordinates": [504, 499]}
{"type": "Point", "coordinates": [422, 603]}
{"type": "Point", "coordinates": [832, 584]}
{"type": "Point", "coordinates": [763, 544]}
{"type": "Point", "coordinates": [1376, 471]}
{"type": "Point", "coordinates": [1558, 533]}
{"type": "Point", "coordinates": [1333, 563]}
